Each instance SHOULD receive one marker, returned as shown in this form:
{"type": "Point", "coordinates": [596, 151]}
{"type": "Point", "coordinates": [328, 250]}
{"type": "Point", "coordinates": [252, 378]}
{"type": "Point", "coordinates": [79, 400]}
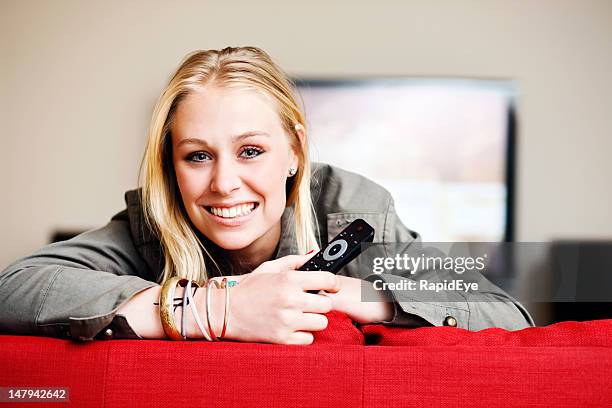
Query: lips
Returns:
{"type": "Point", "coordinates": [232, 211]}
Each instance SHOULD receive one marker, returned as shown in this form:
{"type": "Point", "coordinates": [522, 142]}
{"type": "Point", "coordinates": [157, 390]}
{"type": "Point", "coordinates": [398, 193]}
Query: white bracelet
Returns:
{"type": "Point", "coordinates": [209, 306]}
{"type": "Point", "coordinates": [196, 315]}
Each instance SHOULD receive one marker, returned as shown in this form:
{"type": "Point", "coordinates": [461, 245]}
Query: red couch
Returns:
{"type": "Point", "coordinates": [565, 364]}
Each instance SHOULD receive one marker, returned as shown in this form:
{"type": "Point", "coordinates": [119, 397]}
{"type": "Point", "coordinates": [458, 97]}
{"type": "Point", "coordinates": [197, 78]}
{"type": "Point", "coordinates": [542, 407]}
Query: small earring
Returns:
{"type": "Point", "coordinates": [292, 172]}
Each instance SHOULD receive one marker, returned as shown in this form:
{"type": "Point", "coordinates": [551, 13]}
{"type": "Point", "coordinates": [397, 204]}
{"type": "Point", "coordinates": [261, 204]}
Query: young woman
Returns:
{"type": "Point", "coordinates": [227, 189]}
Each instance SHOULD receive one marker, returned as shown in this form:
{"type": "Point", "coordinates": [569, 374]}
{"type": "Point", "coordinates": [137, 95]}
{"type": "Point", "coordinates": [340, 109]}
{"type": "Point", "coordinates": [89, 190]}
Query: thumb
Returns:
{"type": "Point", "coordinates": [293, 262]}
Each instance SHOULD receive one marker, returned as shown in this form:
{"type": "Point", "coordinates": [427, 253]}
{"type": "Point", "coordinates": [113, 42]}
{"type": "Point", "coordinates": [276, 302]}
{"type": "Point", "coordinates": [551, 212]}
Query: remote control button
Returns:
{"type": "Point", "coordinates": [335, 250]}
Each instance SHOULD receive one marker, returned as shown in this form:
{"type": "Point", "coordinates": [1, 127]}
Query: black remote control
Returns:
{"type": "Point", "coordinates": [341, 250]}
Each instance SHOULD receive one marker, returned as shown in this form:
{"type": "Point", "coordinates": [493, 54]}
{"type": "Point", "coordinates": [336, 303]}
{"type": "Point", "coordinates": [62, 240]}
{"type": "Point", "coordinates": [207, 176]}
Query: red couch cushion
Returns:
{"type": "Point", "coordinates": [592, 333]}
{"type": "Point", "coordinates": [484, 376]}
{"type": "Point", "coordinates": [340, 330]}
{"type": "Point", "coordinates": [567, 364]}
{"type": "Point", "coordinates": [161, 373]}
{"type": "Point", "coordinates": [45, 362]}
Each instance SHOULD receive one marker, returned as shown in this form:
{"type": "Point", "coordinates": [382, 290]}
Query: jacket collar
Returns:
{"type": "Point", "coordinates": [288, 242]}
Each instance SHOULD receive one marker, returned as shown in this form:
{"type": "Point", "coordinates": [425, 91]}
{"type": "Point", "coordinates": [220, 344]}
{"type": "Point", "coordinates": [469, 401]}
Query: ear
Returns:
{"type": "Point", "coordinates": [301, 134]}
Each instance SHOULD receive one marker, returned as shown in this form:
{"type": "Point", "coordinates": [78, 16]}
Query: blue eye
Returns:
{"type": "Point", "coordinates": [250, 152]}
{"type": "Point", "coordinates": [198, 157]}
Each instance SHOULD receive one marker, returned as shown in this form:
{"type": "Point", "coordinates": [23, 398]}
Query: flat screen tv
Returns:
{"type": "Point", "coordinates": [444, 147]}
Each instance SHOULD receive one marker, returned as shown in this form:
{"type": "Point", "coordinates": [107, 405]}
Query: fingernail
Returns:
{"type": "Point", "coordinates": [310, 252]}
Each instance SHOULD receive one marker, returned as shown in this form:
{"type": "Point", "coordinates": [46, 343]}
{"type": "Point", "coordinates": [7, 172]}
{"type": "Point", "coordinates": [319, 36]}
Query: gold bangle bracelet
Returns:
{"type": "Point", "coordinates": [166, 309]}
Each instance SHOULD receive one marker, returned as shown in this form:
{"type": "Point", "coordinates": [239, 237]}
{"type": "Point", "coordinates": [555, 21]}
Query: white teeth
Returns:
{"type": "Point", "coordinates": [236, 211]}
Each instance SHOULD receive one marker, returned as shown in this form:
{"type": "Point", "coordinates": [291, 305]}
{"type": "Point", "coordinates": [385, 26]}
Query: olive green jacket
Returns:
{"type": "Point", "coordinates": [72, 289]}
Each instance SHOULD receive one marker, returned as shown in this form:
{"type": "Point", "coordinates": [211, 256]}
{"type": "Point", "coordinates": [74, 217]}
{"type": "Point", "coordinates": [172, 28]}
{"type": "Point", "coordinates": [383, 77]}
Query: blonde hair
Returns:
{"type": "Point", "coordinates": [164, 213]}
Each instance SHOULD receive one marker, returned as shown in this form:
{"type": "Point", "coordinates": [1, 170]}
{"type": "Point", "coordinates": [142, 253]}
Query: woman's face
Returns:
{"type": "Point", "coordinates": [232, 156]}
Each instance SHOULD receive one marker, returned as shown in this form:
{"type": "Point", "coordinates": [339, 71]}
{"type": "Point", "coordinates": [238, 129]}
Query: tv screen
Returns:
{"type": "Point", "coordinates": [442, 147]}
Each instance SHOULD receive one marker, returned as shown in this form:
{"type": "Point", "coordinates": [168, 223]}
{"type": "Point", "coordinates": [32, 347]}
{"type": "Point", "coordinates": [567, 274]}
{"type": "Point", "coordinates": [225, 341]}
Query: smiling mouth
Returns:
{"type": "Point", "coordinates": [233, 212]}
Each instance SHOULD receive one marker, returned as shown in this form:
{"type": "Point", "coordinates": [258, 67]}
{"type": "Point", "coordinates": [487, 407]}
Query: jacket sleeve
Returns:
{"type": "Point", "coordinates": [72, 289]}
{"type": "Point", "coordinates": [488, 307]}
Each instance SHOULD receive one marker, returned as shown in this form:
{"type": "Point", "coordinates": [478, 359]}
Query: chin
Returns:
{"type": "Point", "coordinates": [232, 242]}
{"type": "Point", "coordinates": [232, 245]}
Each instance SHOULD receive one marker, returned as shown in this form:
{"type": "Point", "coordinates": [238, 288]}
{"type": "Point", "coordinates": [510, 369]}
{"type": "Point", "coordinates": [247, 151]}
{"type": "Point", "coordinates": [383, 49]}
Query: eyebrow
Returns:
{"type": "Point", "coordinates": [244, 135]}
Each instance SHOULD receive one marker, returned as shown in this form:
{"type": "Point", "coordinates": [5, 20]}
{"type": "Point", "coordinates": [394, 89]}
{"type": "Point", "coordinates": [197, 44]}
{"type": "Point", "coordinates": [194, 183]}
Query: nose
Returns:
{"type": "Point", "coordinates": [225, 178]}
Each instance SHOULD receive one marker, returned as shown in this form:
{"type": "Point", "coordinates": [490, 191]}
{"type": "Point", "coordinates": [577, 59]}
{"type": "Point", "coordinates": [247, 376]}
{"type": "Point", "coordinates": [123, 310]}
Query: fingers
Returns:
{"type": "Point", "coordinates": [315, 303]}
{"type": "Point", "coordinates": [292, 262]}
{"type": "Point", "coordinates": [300, 337]}
{"type": "Point", "coordinates": [310, 255]}
{"type": "Point", "coordinates": [315, 280]}
{"type": "Point", "coordinates": [304, 326]}
{"type": "Point", "coordinates": [286, 263]}
{"type": "Point", "coordinates": [312, 322]}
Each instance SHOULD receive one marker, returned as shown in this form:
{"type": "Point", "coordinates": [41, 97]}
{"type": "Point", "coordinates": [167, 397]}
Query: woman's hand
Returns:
{"type": "Point", "coordinates": [271, 304]}
{"type": "Point", "coordinates": [348, 300]}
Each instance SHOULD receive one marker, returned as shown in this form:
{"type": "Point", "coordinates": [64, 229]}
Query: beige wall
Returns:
{"type": "Point", "coordinates": [79, 80]}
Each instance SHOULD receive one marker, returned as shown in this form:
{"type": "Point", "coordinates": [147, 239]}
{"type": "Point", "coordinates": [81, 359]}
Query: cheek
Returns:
{"type": "Point", "coordinates": [269, 182]}
{"type": "Point", "coordinates": [274, 174]}
{"type": "Point", "coordinates": [190, 183]}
